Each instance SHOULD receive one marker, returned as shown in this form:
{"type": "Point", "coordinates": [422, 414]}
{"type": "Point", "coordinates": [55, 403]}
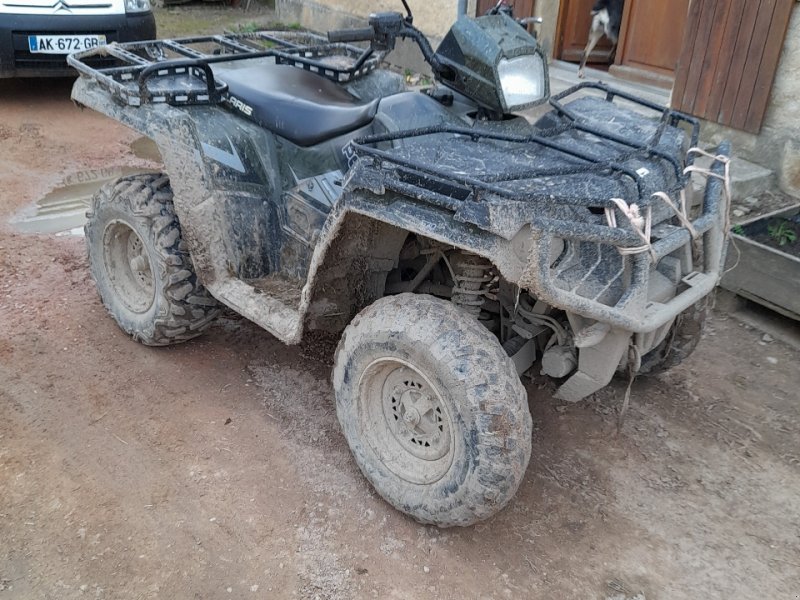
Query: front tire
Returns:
{"type": "Point", "coordinates": [140, 265]}
{"type": "Point", "coordinates": [433, 410]}
{"type": "Point", "coordinates": [681, 341]}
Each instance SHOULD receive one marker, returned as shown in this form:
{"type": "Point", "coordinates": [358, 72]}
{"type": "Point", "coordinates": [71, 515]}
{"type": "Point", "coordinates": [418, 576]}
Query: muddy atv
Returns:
{"type": "Point", "coordinates": [452, 244]}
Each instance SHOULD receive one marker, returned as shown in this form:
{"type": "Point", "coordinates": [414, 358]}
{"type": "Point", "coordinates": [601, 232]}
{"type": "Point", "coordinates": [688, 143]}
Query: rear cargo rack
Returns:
{"type": "Point", "coordinates": [178, 72]}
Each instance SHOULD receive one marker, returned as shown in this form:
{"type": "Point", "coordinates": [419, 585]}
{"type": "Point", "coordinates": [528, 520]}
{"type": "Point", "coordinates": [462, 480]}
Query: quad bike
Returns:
{"type": "Point", "coordinates": [452, 244]}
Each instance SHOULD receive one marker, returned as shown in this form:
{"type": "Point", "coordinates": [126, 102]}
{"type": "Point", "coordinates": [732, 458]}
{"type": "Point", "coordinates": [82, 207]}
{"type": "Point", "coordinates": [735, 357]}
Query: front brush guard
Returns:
{"type": "Point", "coordinates": [633, 312]}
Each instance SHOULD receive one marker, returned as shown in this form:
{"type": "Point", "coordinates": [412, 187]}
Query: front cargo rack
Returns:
{"type": "Point", "coordinates": [542, 177]}
{"type": "Point", "coordinates": [178, 72]}
{"type": "Point", "coordinates": [426, 180]}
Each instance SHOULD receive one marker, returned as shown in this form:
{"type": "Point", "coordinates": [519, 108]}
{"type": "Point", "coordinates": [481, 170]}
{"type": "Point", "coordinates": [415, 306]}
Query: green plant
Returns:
{"type": "Point", "coordinates": [249, 27]}
{"type": "Point", "coordinates": [738, 229]}
{"type": "Point", "coordinates": [416, 79]}
{"type": "Point", "coordinates": [783, 233]}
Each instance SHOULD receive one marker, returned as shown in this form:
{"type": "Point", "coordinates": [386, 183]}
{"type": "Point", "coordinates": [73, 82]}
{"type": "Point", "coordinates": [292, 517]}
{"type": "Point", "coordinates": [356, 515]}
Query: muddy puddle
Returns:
{"type": "Point", "coordinates": [63, 210]}
{"type": "Point", "coordinates": [146, 149]}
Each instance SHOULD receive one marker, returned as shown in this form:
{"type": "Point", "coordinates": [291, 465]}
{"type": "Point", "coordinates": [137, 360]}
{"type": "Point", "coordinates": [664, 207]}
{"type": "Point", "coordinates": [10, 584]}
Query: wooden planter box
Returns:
{"type": "Point", "coordinates": [764, 274]}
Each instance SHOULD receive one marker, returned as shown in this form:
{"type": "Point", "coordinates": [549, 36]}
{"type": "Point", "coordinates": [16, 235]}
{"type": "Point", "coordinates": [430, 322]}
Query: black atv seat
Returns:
{"type": "Point", "coordinates": [303, 107]}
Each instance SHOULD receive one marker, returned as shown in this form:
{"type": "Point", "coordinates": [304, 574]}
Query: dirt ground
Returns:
{"type": "Point", "coordinates": [216, 469]}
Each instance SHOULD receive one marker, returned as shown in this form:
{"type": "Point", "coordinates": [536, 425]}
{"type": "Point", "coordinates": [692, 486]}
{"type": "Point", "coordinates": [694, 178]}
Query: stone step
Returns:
{"type": "Point", "coordinates": [564, 75]}
{"type": "Point", "coordinates": [747, 179]}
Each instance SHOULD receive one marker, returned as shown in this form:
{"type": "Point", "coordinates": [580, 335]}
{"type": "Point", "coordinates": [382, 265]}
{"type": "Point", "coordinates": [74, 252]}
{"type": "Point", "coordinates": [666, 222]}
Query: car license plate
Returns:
{"type": "Point", "coordinates": [63, 44]}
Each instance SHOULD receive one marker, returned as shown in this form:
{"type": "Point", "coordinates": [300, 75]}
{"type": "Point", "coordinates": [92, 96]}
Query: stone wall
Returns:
{"type": "Point", "coordinates": [433, 17]}
{"type": "Point", "coordinates": [777, 146]}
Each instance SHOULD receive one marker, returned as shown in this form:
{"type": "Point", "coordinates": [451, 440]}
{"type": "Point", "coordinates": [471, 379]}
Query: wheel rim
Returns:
{"type": "Point", "coordinates": [128, 267]}
{"type": "Point", "coordinates": [404, 420]}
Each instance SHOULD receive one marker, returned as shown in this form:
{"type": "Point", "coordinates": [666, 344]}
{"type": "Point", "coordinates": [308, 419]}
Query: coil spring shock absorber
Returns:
{"type": "Point", "coordinates": [471, 273]}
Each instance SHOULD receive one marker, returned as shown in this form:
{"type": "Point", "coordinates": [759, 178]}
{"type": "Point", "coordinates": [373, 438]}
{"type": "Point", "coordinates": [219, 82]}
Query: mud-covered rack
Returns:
{"type": "Point", "coordinates": [179, 71]}
{"type": "Point", "coordinates": [448, 189]}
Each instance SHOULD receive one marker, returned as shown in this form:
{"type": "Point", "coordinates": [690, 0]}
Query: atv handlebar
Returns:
{"type": "Point", "coordinates": [383, 31]}
{"type": "Point", "coordinates": [365, 34]}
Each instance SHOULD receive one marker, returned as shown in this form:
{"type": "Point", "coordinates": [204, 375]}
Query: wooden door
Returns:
{"type": "Point", "coordinates": [730, 55]}
{"type": "Point", "coordinates": [651, 39]}
{"type": "Point", "coordinates": [574, 22]}
{"type": "Point", "coordinates": [522, 8]}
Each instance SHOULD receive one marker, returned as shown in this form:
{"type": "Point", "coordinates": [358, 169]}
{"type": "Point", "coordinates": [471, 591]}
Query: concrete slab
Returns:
{"type": "Point", "coordinates": [564, 75]}
{"type": "Point", "coordinates": [774, 326]}
{"type": "Point", "coordinates": [747, 179]}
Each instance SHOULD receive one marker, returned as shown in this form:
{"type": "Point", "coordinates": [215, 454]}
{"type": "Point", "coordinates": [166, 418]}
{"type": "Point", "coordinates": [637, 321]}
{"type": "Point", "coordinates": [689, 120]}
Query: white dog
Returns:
{"type": "Point", "coordinates": [606, 20]}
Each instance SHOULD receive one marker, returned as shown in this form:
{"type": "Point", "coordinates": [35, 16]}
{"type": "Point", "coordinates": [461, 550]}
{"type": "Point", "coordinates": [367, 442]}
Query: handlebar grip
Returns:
{"type": "Point", "coordinates": [366, 34]}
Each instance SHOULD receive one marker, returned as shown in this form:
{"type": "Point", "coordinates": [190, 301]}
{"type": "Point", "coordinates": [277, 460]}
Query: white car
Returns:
{"type": "Point", "coordinates": [37, 35]}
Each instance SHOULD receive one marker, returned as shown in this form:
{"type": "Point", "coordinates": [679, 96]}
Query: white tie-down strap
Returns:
{"type": "Point", "coordinates": [682, 211]}
{"type": "Point", "coordinates": [726, 190]}
{"type": "Point", "coordinates": [641, 225]}
{"type": "Point", "coordinates": [725, 177]}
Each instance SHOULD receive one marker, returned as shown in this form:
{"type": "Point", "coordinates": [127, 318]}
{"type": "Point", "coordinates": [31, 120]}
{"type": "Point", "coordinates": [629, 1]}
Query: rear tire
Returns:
{"type": "Point", "coordinates": [140, 265]}
{"type": "Point", "coordinates": [433, 410]}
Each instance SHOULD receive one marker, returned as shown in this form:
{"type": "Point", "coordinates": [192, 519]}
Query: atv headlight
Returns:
{"type": "Point", "coordinates": [495, 62]}
{"type": "Point", "coordinates": [135, 6]}
{"type": "Point", "coordinates": [522, 80]}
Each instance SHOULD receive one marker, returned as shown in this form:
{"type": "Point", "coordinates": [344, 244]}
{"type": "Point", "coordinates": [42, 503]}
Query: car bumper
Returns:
{"type": "Point", "coordinates": [17, 61]}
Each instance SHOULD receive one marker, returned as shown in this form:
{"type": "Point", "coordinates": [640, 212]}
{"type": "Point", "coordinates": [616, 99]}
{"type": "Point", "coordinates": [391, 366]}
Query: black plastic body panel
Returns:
{"type": "Point", "coordinates": [17, 61]}
{"type": "Point", "coordinates": [301, 106]}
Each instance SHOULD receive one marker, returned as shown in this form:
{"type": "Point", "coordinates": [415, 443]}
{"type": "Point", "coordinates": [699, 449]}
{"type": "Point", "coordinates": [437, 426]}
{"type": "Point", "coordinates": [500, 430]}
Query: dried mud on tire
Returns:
{"type": "Point", "coordinates": [181, 307]}
{"type": "Point", "coordinates": [681, 340]}
{"type": "Point", "coordinates": [482, 394]}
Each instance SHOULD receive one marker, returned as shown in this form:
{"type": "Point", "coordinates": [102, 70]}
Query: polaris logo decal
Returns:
{"type": "Point", "coordinates": [240, 106]}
